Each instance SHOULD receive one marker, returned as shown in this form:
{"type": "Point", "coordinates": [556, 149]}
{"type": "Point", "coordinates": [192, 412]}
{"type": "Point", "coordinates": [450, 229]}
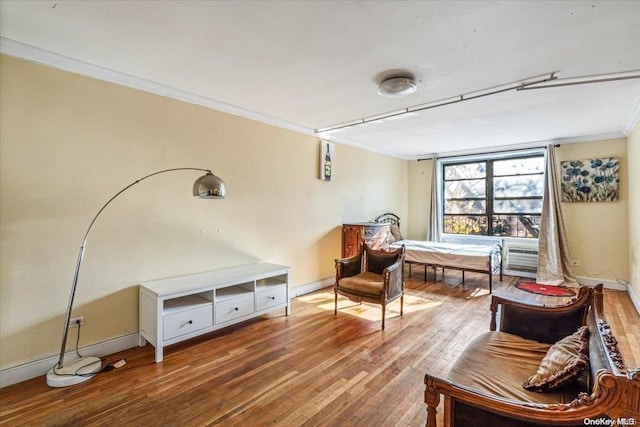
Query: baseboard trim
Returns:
{"type": "Point", "coordinates": [312, 287]}
{"type": "Point", "coordinates": [608, 284]}
{"type": "Point", "coordinates": [614, 285]}
{"type": "Point", "coordinates": [634, 299]}
{"type": "Point", "coordinates": [40, 367]}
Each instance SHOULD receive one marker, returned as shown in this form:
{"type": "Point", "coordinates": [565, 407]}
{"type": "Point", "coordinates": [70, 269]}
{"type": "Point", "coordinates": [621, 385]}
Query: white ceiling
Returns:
{"type": "Point", "coordinates": [306, 65]}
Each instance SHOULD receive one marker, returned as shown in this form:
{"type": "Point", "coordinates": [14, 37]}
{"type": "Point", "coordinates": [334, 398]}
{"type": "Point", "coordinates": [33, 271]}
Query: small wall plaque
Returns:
{"type": "Point", "coordinates": [327, 156]}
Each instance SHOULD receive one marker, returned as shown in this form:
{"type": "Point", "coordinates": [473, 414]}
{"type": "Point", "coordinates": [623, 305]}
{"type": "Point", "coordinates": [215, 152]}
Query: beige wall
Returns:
{"type": "Point", "coordinates": [68, 143]}
{"type": "Point", "coordinates": [633, 145]}
{"type": "Point", "coordinates": [598, 232]}
{"type": "Point", "coordinates": [420, 177]}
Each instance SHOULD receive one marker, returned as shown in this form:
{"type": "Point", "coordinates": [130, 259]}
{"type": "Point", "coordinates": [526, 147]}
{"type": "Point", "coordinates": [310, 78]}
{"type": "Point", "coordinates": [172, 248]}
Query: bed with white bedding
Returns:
{"type": "Point", "coordinates": [464, 257]}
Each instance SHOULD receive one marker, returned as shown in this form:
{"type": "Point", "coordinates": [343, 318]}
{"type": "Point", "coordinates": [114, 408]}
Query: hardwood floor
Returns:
{"type": "Point", "coordinates": [311, 368]}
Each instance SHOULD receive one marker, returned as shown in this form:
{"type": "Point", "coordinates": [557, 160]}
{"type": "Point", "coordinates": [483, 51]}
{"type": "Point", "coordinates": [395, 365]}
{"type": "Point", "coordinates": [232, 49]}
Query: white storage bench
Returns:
{"type": "Point", "coordinates": [182, 307]}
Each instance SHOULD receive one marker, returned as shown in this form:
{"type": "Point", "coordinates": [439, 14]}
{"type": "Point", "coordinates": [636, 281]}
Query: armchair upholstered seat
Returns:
{"type": "Point", "coordinates": [371, 276]}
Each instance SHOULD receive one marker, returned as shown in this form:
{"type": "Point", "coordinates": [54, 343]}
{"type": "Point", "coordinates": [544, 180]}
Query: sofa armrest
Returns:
{"type": "Point", "coordinates": [610, 398]}
{"type": "Point", "coordinates": [547, 324]}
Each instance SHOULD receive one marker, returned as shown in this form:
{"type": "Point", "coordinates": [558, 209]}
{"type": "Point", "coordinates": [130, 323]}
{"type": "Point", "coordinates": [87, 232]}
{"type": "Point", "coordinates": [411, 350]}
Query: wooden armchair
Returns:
{"type": "Point", "coordinates": [371, 276]}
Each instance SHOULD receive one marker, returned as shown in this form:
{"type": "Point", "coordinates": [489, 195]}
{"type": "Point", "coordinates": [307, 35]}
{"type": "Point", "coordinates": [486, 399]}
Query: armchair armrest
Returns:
{"type": "Point", "coordinates": [394, 279]}
{"type": "Point", "coordinates": [348, 267]}
{"type": "Point", "coordinates": [546, 324]}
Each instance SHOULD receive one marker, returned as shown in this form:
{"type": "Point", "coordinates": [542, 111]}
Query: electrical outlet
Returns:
{"type": "Point", "coordinates": [76, 321]}
{"type": "Point", "coordinates": [576, 263]}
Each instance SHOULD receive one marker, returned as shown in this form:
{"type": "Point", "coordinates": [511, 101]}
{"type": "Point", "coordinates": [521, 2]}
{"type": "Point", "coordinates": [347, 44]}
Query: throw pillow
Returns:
{"type": "Point", "coordinates": [564, 363]}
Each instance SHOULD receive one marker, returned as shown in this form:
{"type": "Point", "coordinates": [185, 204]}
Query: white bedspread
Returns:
{"type": "Point", "coordinates": [468, 257]}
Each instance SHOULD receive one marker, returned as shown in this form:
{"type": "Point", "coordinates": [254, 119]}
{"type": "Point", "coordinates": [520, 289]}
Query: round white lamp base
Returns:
{"type": "Point", "coordinates": [74, 372]}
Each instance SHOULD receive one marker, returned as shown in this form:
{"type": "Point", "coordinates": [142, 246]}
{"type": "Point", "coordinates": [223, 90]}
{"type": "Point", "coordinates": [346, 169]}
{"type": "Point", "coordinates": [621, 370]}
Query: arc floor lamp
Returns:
{"type": "Point", "coordinates": [81, 369]}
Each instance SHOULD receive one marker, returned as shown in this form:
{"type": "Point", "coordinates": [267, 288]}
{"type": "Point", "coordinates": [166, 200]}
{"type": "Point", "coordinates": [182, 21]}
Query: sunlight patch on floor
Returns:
{"type": "Point", "coordinates": [478, 292]}
{"type": "Point", "coordinates": [325, 301]}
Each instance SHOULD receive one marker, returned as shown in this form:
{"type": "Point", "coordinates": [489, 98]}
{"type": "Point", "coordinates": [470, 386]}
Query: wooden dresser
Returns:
{"type": "Point", "coordinates": [376, 235]}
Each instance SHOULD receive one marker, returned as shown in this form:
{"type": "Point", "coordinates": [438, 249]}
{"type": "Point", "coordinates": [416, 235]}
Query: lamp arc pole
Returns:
{"type": "Point", "coordinates": [208, 186]}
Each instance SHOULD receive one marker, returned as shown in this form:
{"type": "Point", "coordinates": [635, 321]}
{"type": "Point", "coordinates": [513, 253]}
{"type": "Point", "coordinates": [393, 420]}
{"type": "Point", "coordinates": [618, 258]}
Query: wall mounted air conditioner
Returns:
{"type": "Point", "coordinates": [521, 257]}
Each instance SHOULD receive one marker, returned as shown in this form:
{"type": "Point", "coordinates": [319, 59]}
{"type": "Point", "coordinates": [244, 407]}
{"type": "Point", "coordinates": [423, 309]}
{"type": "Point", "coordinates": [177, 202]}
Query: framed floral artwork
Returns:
{"type": "Point", "coordinates": [594, 180]}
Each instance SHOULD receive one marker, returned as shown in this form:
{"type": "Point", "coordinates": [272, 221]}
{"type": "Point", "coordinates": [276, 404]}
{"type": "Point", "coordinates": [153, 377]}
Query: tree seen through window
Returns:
{"type": "Point", "coordinates": [501, 197]}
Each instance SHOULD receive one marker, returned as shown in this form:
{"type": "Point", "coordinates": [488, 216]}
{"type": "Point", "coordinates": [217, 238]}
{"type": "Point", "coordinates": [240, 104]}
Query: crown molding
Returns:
{"type": "Point", "coordinates": [54, 60]}
{"type": "Point", "coordinates": [526, 145]}
{"type": "Point", "coordinates": [366, 147]}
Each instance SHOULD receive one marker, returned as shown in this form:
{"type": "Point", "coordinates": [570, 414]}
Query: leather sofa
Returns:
{"type": "Point", "coordinates": [486, 385]}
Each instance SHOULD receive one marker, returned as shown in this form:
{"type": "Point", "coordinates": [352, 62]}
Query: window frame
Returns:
{"type": "Point", "coordinates": [489, 198]}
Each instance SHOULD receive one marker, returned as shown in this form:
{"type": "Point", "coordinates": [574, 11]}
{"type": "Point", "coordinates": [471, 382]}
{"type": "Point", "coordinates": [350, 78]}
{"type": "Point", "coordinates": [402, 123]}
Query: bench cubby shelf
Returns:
{"type": "Point", "coordinates": [183, 307]}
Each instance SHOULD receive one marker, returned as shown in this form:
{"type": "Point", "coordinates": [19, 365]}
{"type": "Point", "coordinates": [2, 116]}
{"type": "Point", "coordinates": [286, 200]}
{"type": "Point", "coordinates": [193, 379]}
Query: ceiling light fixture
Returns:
{"type": "Point", "coordinates": [397, 87]}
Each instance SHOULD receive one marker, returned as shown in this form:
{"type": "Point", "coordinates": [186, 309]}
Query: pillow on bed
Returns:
{"type": "Point", "coordinates": [563, 364]}
{"type": "Point", "coordinates": [395, 233]}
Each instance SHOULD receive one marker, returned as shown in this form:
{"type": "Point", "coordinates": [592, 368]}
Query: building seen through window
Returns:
{"type": "Point", "coordinates": [493, 197]}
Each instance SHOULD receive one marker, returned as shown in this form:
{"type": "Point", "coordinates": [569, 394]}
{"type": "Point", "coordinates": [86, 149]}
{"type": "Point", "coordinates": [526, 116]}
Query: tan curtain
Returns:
{"type": "Point", "coordinates": [554, 264]}
{"type": "Point", "coordinates": [433, 233]}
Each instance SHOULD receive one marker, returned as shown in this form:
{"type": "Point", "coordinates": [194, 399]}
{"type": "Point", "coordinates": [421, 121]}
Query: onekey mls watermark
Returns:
{"type": "Point", "coordinates": [622, 421]}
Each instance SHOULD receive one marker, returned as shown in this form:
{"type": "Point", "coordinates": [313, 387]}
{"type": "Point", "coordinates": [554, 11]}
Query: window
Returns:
{"type": "Point", "coordinates": [493, 196]}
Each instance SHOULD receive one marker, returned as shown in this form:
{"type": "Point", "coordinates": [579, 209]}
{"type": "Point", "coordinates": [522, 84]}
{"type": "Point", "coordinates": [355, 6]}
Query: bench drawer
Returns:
{"type": "Point", "coordinates": [271, 297]}
{"type": "Point", "coordinates": [234, 308]}
{"type": "Point", "coordinates": [186, 321]}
